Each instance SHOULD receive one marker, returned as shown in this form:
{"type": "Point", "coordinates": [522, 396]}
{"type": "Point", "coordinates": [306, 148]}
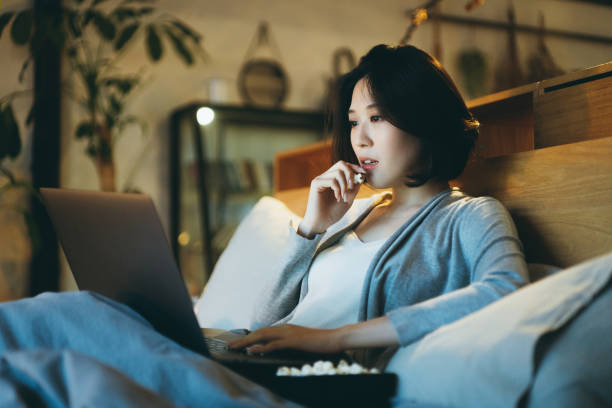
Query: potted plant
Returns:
{"type": "Point", "coordinates": [12, 203]}
{"type": "Point", "coordinates": [94, 35]}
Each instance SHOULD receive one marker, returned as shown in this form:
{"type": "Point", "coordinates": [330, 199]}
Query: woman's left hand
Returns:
{"type": "Point", "coordinates": [325, 341]}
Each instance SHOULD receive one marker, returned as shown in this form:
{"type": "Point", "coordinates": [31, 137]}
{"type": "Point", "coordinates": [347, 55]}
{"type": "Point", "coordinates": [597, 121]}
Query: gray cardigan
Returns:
{"type": "Point", "coordinates": [455, 255]}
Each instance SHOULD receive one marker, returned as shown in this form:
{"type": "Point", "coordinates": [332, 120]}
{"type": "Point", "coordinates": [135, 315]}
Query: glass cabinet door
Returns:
{"type": "Point", "coordinates": [220, 170]}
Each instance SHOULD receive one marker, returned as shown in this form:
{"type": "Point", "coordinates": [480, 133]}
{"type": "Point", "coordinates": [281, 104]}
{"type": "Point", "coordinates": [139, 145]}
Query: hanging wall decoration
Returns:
{"type": "Point", "coordinates": [541, 64]}
{"type": "Point", "coordinates": [343, 61]}
{"type": "Point", "coordinates": [472, 65]}
{"type": "Point", "coordinates": [509, 73]}
{"type": "Point", "coordinates": [262, 81]}
{"type": "Point", "coordinates": [419, 15]}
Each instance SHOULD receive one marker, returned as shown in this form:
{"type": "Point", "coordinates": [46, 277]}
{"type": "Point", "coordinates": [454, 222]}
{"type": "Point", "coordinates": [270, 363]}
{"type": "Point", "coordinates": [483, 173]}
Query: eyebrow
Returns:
{"type": "Point", "coordinates": [370, 106]}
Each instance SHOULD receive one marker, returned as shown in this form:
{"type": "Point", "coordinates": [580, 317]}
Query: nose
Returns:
{"type": "Point", "coordinates": [361, 137]}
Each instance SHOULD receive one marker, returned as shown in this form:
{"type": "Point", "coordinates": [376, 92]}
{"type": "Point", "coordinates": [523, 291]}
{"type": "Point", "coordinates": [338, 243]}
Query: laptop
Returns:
{"type": "Point", "coordinates": [116, 246]}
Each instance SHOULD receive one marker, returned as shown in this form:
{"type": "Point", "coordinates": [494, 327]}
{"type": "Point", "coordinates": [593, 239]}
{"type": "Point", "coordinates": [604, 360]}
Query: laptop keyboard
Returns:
{"type": "Point", "coordinates": [215, 345]}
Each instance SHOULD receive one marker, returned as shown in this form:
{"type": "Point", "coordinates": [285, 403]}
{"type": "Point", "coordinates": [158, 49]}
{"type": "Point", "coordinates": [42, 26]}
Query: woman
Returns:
{"type": "Point", "coordinates": [382, 275]}
{"type": "Point", "coordinates": [429, 255]}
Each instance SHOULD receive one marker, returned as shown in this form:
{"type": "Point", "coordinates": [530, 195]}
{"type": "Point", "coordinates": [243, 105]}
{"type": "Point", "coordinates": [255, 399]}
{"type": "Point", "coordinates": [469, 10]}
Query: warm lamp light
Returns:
{"type": "Point", "coordinates": [205, 116]}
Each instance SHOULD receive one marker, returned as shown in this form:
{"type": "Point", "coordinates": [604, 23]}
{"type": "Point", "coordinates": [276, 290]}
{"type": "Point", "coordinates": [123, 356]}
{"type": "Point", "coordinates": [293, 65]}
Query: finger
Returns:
{"type": "Point", "coordinates": [258, 336]}
{"type": "Point", "coordinates": [356, 168]}
{"type": "Point", "coordinates": [342, 182]}
{"type": "Point", "coordinates": [347, 172]}
{"type": "Point", "coordinates": [350, 170]}
{"type": "Point", "coordinates": [241, 343]}
{"type": "Point", "coordinates": [331, 183]}
{"type": "Point", "coordinates": [272, 346]}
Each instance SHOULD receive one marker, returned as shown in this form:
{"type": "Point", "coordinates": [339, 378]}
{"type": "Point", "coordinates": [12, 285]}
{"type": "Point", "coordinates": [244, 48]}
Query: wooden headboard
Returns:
{"type": "Point", "coordinates": [560, 198]}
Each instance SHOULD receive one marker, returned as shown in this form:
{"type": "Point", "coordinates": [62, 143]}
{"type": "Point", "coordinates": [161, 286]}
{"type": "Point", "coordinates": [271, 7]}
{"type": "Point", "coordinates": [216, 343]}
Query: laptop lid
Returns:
{"type": "Point", "coordinates": [116, 246]}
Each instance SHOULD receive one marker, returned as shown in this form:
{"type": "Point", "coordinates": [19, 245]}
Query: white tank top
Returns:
{"type": "Point", "coordinates": [335, 284]}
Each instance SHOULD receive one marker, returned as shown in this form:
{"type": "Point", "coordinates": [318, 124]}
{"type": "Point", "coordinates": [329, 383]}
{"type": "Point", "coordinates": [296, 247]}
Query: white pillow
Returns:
{"type": "Point", "coordinates": [486, 359]}
{"type": "Point", "coordinates": [245, 266]}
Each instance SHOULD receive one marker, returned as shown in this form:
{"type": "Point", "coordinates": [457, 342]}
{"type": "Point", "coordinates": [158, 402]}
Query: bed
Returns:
{"type": "Point", "coordinates": [560, 198]}
{"type": "Point", "coordinates": [545, 152]}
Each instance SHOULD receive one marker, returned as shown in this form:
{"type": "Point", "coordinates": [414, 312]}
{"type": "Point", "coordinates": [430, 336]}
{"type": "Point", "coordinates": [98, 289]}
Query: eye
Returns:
{"type": "Point", "coordinates": [376, 118]}
{"type": "Point", "coordinates": [352, 123]}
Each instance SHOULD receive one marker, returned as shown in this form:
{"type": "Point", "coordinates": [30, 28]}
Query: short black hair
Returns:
{"type": "Point", "coordinates": [415, 94]}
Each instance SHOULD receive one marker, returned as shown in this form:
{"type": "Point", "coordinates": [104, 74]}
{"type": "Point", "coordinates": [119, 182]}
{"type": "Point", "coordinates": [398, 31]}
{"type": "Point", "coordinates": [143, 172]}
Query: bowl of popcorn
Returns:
{"type": "Point", "coordinates": [324, 368]}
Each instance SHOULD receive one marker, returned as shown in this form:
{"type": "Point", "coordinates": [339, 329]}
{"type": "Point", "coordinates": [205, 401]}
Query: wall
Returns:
{"type": "Point", "coordinates": [307, 34]}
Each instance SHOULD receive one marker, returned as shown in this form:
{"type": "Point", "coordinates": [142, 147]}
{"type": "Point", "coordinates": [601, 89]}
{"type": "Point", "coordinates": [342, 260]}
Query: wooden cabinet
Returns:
{"type": "Point", "coordinates": [220, 170]}
{"type": "Point", "coordinates": [561, 110]}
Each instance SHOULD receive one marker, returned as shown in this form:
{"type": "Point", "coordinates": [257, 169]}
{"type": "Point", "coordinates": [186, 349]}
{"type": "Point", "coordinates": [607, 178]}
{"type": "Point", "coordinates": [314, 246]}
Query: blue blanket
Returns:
{"type": "Point", "coordinates": [81, 349]}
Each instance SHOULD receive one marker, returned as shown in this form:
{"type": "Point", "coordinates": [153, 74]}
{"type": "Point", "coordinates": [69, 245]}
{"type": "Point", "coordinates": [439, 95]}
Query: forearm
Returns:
{"type": "Point", "coordinates": [281, 295]}
{"type": "Point", "coordinates": [308, 231]}
{"type": "Point", "coordinates": [415, 321]}
{"type": "Point", "coordinates": [378, 332]}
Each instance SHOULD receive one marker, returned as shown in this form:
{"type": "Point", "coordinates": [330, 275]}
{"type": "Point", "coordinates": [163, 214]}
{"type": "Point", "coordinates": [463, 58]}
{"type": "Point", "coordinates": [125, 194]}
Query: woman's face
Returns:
{"type": "Point", "coordinates": [387, 153]}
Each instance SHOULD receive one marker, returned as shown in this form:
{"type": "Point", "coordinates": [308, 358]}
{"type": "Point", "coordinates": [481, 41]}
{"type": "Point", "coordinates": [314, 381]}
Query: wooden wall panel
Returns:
{"type": "Point", "coordinates": [560, 198]}
{"type": "Point", "coordinates": [569, 114]}
{"type": "Point", "coordinates": [506, 126]}
{"type": "Point", "coordinates": [295, 168]}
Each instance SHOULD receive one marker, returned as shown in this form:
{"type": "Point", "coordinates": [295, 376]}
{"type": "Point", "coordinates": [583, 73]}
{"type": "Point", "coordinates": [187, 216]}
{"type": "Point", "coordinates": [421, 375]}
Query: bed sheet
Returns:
{"type": "Point", "coordinates": [81, 349]}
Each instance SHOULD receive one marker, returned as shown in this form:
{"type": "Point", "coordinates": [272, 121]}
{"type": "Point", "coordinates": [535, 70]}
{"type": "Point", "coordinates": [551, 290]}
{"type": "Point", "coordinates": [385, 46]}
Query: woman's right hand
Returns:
{"type": "Point", "coordinates": [331, 195]}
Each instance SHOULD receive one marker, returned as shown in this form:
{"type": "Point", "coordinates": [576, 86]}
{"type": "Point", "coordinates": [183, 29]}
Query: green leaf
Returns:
{"type": "Point", "coordinates": [71, 51]}
{"type": "Point", "coordinates": [72, 20]}
{"type": "Point", "coordinates": [144, 11]}
{"type": "Point", "coordinates": [137, 1]}
{"type": "Point", "coordinates": [123, 13]}
{"type": "Point", "coordinates": [23, 69]}
{"type": "Point", "coordinates": [85, 129]}
{"type": "Point", "coordinates": [154, 45]}
{"type": "Point", "coordinates": [115, 106]}
{"type": "Point", "coordinates": [31, 114]}
{"type": "Point", "coordinates": [8, 175]}
{"type": "Point", "coordinates": [105, 26]}
{"type": "Point", "coordinates": [187, 31]}
{"type": "Point", "coordinates": [123, 85]}
{"type": "Point", "coordinates": [3, 138]}
{"type": "Point", "coordinates": [96, 2]}
{"type": "Point", "coordinates": [22, 27]}
{"type": "Point", "coordinates": [33, 231]}
{"type": "Point", "coordinates": [179, 46]}
{"type": "Point", "coordinates": [126, 35]}
{"type": "Point", "coordinates": [91, 150]}
{"type": "Point", "coordinates": [10, 134]}
{"type": "Point", "coordinates": [5, 18]}
{"type": "Point", "coordinates": [89, 15]}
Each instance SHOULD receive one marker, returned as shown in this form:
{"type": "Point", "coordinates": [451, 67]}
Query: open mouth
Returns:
{"type": "Point", "coordinates": [368, 164]}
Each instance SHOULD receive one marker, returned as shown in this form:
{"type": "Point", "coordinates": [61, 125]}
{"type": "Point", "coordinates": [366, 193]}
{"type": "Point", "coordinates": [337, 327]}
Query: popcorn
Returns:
{"type": "Point", "coordinates": [325, 368]}
{"type": "Point", "coordinates": [307, 369]}
{"type": "Point", "coordinates": [359, 178]}
{"type": "Point", "coordinates": [322, 367]}
{"type": "Point", "coordinates": [355, 369]}
{"type": "Point", "coordinates": [283, 371]}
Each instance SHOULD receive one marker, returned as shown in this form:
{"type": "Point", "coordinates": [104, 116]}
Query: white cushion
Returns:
{"type": "Point", "coordinates": [487, 358]}
{"type": "Point", "coordinates": [245, 266]}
